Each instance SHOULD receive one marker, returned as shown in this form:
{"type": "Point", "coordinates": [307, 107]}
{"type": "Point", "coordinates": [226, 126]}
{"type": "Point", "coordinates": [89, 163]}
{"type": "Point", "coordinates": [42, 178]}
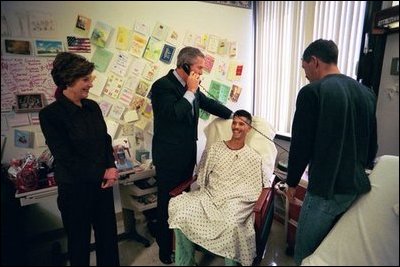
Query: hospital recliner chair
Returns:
{"type": "Point", "coordinates": [263, 210]}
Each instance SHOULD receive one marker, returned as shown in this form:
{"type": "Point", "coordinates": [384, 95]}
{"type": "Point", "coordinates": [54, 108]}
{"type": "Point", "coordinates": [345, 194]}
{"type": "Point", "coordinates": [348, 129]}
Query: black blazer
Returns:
{"type": "Point", "coordinates": [175, 127]}
{"type": "Point", "coordinates": [77, 138]}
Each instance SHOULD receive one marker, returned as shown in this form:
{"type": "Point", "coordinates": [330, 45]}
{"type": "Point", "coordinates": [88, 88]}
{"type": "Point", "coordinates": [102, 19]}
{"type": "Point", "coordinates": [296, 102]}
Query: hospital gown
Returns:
{"type": "Point", "coordinates": [219, 215]}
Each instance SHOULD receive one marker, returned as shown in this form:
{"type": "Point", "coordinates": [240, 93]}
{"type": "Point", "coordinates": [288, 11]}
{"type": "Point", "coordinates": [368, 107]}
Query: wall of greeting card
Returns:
{"type": "Point", "coordinates": [132, 45]}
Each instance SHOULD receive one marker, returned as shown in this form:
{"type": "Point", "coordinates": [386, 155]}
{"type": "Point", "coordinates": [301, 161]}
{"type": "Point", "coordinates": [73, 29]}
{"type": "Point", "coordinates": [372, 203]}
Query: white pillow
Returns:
{"type": "Point", "coordinates": [220, 129]}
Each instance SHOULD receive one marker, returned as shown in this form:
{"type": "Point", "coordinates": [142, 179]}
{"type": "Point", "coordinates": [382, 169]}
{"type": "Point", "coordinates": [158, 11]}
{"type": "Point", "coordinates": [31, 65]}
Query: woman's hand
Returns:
{"type": "Point", "coordinates": [110, 177]}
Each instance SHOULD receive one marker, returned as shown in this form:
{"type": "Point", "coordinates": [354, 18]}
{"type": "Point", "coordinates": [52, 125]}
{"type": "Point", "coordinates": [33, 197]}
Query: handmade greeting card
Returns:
{"type": "Point", "coordinates": [142, 88]}
{"type": "Point", "coordinates": [23, 138]}
{"type": "Point", "coordinates": [122, 40]}
{"type": "Point", "coordinates": [105, 107]}
{"type": "Point", "coordinates": [138, 44]}
{"type": "Point", "coordinates": [116, 111]}
{"type": "Point", "coordinates": [160, 31]}
{"type": "Point", "coordinates": [113, 86]}
{"type": "Point", "coordinates": [101, 34]}
{"type": "Point", "coordinates": [150, 71]}
{"type": "Point", "coordinates": [167, 54]}
{"type": "Point", "coordinates": [172, 37]}
{"type": "Point", "coordinates": [153, 50]}
{"type": "Point", "coordinates": [101, 59]}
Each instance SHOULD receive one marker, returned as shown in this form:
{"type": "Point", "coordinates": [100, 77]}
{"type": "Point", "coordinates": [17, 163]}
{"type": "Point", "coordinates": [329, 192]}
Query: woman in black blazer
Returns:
{"type": "Point", "coordinates": [85, 172]}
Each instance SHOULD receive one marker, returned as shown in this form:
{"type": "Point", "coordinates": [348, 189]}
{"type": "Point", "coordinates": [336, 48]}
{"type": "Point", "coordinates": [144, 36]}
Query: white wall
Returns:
{"type": "Point", "coordinates": [387, 113]}
{"type": "Point", "coordinates": [234, 24]}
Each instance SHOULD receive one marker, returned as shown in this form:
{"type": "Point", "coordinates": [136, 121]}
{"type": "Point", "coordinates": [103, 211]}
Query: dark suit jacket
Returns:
{"type": "Point", "coordinates": [175, 127]}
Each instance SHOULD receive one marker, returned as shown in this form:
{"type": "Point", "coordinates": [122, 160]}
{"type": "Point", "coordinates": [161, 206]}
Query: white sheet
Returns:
{"type": "Point", "coordinates": [368, 233]}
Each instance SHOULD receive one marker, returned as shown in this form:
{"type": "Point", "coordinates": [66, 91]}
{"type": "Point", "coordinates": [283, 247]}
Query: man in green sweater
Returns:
{"type": "Point", "coordinates": [334, 133]}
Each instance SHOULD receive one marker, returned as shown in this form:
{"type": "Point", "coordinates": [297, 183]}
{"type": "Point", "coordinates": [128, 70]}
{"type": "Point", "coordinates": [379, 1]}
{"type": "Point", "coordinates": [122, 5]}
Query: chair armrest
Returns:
{"type": "Point", "coordinates": [262, 206]}
{"type": "Point", "coordinates": [185, 185]}
{"type": "Point", "coordinates": [266, 193]}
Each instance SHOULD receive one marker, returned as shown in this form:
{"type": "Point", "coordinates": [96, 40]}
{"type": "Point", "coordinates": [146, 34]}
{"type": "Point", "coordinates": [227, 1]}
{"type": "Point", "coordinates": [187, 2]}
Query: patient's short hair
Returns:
{"type": "Point", "coordinates": [243, 113]}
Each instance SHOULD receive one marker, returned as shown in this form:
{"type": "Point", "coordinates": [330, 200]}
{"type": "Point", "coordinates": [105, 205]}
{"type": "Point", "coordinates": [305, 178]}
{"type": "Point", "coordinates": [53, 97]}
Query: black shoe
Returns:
{"type": "Point", "coordinates": [165, 259]}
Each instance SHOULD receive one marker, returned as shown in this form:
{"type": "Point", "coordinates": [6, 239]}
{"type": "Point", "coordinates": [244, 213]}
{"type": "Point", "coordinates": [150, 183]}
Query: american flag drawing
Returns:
{"type": "Point", "coordinates": [78, 45]}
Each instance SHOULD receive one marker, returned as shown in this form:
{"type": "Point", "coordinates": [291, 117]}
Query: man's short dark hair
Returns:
{"type": "Point", "coordinates": [69, 67]}
{"type": "Point", "coordinates": [325, 50]}
{"type": "Point", "coordinates": [243, 113]}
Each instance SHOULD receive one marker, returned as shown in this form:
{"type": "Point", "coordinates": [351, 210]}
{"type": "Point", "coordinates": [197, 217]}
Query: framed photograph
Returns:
{"type": "Point", "coordinates": [82, 25]}
{"type": "Point", "coordinates": [48, 47]}
{"type": "Point", "coordinates": [235, 93]}
{"type": "Point", "coordinates": [17, 47]}
{"type": "Point", "coordinates": [29, 102]}
{"type": "Point", "coordinates": [23, 138]}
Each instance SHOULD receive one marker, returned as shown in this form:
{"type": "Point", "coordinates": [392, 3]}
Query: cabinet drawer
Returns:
{"type": "Point", "coordinates": [132, 203]}
{"type": "Point", "coordinates": [134, 190]}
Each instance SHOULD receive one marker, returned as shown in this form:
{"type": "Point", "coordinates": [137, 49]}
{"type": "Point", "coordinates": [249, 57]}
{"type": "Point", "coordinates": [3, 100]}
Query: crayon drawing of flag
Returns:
{"type": "Point", "coordinates": [78, 45]}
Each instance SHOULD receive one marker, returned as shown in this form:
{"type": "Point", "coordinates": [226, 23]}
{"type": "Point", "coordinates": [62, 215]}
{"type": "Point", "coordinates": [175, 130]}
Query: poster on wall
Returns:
{"type": "Point", "coordinates": [42, 24]}
{"type": "Point", "coordinates": [25, 75]}
{"type": "Point", "coordinates": [48, 47]}
{"type": "Point", "coordinates": [16, 47]}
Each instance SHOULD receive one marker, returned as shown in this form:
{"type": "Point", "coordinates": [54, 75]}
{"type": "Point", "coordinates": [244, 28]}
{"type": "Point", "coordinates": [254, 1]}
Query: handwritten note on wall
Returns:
{"type": "Point", "coordinates": [25, 75]}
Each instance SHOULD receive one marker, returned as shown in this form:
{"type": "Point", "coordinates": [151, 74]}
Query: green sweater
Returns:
{"type": "Point", "coordinates": [334, 132]}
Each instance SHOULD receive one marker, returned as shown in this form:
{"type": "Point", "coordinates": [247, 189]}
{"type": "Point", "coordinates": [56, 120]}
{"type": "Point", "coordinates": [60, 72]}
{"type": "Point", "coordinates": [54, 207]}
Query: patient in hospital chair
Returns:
{"type": "Point", "coordinates": [218, 216]}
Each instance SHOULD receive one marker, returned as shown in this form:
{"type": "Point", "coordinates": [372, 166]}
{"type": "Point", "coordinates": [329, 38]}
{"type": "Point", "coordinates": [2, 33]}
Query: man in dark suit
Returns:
{"type": "Point", "coordinates": [176, 100]}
